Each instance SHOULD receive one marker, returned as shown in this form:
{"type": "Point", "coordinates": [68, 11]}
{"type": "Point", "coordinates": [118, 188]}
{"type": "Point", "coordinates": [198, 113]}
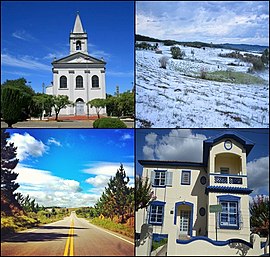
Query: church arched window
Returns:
{"type": "Point", "coordinates": [95, 81]}
{"type": "Point", "coordinates": [79, 82]}
{"type": "Point", "coordinates": [63, 82]}
{"type": "Point", "coordinates": [78, 45]}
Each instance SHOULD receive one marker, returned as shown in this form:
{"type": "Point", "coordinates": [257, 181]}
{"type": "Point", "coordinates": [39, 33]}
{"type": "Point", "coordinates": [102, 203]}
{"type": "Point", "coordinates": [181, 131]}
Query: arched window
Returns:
{"type": "Point", "coordinates": [79, 82]}
{"type": "Point", "coordinates": [95, 81]}
{"type": "Point", "coordinates": [78, 45]}
{"type": "Point", "coordinates": [63, 82]}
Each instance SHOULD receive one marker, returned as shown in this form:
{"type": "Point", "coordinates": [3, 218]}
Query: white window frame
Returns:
{"type": "Point", "coordinates": [186, 174]}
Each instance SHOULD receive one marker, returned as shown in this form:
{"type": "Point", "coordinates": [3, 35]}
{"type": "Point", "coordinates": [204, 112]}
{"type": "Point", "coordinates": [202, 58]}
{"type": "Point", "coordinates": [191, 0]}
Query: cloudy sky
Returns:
{"type": "Point", "coordinates": [240, 22]}
{"type": "Point", "coordinates": [187, 145]}
{"type": "Point", "coordinates": [70, 167]}
{"type": "Point", "coordinates": [34, 32]}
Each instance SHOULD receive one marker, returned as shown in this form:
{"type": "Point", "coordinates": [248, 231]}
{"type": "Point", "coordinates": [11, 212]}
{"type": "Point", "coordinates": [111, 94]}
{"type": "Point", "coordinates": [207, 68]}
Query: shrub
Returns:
{"type": "Point", "coordinates": [143, 45]}
{"type": "Point", "coordinates": [203, 73]}
{"type": "Point", "coordinates": [265, 56]}
{"type": "Point", "coordinates": [169, 42]}
{"type": "Point", "coordinates": [109, 123]}
{"type": "Point", "coordinates": [177, 53]}
{"type": "Point", "coordinates": [163, 62]}
{"type": "Point", "coordinates": [258, 64]}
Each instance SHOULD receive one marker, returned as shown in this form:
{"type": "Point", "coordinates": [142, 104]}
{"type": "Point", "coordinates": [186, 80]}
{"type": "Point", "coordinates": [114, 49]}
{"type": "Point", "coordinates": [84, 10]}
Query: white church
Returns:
{"type": "Point", "coordinates": [79, 76]}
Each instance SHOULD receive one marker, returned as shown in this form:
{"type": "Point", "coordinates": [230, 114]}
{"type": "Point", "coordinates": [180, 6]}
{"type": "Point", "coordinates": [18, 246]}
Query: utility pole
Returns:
{"type": "Point", "coordinates": [117, 91]}
{"type": "Point", "coordinates": [43, 112]}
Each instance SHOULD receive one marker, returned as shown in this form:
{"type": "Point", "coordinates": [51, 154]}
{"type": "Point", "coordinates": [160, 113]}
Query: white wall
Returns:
{"type": "Point", "coordinates": [74, 93]}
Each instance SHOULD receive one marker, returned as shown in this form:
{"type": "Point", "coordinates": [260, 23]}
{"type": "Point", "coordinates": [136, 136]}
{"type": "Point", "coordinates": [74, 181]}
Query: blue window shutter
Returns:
{"type": "Point", "coordinates": [169, 177]}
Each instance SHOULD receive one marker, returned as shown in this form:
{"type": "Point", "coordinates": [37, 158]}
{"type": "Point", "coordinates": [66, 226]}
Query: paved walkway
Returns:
{"type": "Point", "coordinates": [59, 124]}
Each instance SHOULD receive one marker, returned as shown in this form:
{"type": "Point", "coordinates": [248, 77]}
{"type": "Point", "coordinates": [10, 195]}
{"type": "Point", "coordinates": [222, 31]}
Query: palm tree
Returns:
{"type": "Point", "coordinates": [143, 193]}
{"type": "Point", "coordinates": [259, 219]}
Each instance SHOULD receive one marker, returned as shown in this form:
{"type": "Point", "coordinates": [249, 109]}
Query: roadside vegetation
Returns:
{"type": "Point", "coordinates": [19, 212]}
{"type": "Point", "coordinates": [115, 208]}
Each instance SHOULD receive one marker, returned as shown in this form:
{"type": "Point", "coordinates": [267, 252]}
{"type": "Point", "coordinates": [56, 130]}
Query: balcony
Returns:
{"type": "Point", "coordinates": [224, 180]}
{"type": "Point", "coordinates": [217, 179]}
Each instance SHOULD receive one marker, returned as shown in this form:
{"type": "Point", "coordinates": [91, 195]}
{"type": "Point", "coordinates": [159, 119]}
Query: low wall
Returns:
{"type": "Point", "coordinates": [199, 246]}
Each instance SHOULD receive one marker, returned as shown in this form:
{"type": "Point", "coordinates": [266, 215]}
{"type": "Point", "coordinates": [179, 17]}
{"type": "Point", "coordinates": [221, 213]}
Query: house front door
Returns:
{"type": "Point", "coordinates": [184, 222]}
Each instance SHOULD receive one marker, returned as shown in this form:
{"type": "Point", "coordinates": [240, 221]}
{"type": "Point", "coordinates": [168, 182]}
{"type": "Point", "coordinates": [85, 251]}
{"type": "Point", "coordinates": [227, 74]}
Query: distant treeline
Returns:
{"type": "Point", "coordinates": [197, 44]}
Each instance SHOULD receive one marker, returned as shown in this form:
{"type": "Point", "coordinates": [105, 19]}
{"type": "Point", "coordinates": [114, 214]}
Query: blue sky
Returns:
{"type": "Point", "coordinates": [34, 32]}
{"type": "Point", "coordinates": [70, 167]}
{"type": "Point", "coordinates": [239, 22]}
{"type": "Point", "coordinates": [186, 145]}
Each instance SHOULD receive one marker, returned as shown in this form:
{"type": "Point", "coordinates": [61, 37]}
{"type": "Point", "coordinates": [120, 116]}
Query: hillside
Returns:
{"type": "Point", "coordinates": [197, 44]}
{"type": "Point", "coordinates": [178, 96]}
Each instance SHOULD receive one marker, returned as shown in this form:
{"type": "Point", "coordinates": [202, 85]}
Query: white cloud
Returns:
{"type": "Point", "coordinates": [26, 62]}
{"type": "Point", "coordinates": [148, 152]}
{"type": "Point", "coordinates": [53, 141]}
{"type": "Point", "coordinates": [151, 138]}
{"type": "Point", "coordinates": [56, 54]}
{"type": "Point", "coordinates": [204, 21]}
{"type": "Point", "coordinates": [108, 168]}
{"type": "Point", "coordinates": [258, 175]}
{"type": "Point", "coordinates": [102, 172]}
{"type": "Point", "coordinates": [23, 35]}
{"type": "Point", "coordinates": [98, 181]}
{"type": "Point", "coordinates": [179, 144]}
{"type": "Point", "coordinates": [126, 136]}
{"type": "Point", "coordinates": [28, 146]}
{"type": "Point", "coordinates": [50, 190]}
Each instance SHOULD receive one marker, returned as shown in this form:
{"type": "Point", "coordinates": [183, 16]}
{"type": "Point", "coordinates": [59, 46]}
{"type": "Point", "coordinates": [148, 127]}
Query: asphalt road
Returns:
{"type": "Point", "coordinates": [69, 237]}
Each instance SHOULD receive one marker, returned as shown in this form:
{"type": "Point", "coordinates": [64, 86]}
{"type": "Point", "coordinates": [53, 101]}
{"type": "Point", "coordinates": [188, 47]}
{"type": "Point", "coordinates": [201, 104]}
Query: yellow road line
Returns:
{"type": "Point", "coordinates": [72, 239]}
{"type": "Point", "coordinates": [70, 243]}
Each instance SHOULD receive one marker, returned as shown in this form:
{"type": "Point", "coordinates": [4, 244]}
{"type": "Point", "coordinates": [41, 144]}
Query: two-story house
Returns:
{"type": "Point", "coordinates": [185, 191]}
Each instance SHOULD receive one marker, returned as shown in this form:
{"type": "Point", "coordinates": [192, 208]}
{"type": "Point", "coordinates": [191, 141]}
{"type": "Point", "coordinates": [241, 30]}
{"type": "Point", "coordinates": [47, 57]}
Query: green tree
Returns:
{"type": "Point", "coordinates": [60, 102]}
{"type": "Point", "coordinates": [98, 103]}
{"type": "Point", "coordinates": [8, 164]}
{"type": "Point", "coordinates": [112, 106]}
{"type": "Point", "coordinates": [259, 219]}
{"type": "Point", "coordinates": [126, 103]}
{"type": "Point", "coordinates": [144, 194]}
{"type": "Point", "coordinates": [118, 192]}
{"type": "Point", "coordinates": [12, 104]}
{"type": "Point", "coordinates": [21, 85]}
{"type": "Point", "coordinates": [19, 198]}
{"type": "Point", "coordinates": [41, 103]}
{"type": "Point", "coordinates": [265, 56]}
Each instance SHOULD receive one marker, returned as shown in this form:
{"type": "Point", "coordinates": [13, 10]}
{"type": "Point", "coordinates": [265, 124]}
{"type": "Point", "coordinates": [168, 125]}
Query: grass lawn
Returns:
{"type": "Point", "coordinates": [116, 227]}
{"type": "Point", "coordinates": [234, 77]}
{"type": "Point", "coordinates": [156, 244]}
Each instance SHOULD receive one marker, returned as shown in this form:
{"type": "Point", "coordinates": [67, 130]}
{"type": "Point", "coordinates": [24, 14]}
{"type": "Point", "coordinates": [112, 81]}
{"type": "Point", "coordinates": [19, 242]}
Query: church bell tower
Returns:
{"type": "Point", "coordinates": [78, 38]}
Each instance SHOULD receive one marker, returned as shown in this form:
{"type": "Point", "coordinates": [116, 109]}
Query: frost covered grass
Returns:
{"type": "Point", "coordinates": [235, 77]}
{"type": "Point", "coordinates": [177, 97]}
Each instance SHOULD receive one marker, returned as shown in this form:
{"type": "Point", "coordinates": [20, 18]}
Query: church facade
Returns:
{"type": "Point", "coordinates": [79, 76]}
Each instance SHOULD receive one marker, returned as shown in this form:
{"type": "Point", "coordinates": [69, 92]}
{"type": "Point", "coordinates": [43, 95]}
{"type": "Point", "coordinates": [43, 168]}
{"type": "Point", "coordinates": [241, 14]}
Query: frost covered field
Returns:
{"type": "Point", "coordinates": [178, 97]}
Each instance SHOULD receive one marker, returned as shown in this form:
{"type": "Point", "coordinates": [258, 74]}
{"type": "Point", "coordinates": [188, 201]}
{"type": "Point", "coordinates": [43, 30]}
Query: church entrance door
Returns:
{"type": "Point", "coordinates": [79, 108]}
